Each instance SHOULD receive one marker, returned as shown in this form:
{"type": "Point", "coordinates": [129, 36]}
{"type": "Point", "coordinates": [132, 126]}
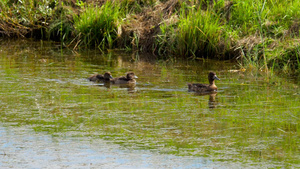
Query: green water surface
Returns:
{"type": "Point", "coordinates": [252, 119]}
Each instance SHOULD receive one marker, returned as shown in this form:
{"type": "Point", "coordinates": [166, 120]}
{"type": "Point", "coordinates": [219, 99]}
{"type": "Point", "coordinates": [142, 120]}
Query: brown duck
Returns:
{"type": "Point", "coordinates": [128, 79]}
{"type": "Point", "coordinates": [205, 88]}
{"type": "Point", "coordinates": [101, 78]}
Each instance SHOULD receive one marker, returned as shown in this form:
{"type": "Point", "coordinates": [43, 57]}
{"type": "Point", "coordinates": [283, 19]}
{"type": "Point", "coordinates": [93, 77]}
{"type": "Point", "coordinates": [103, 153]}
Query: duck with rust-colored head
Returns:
{"type": "Point", "coordinates": [128, 79]}
{"type": "Point", "coordinates": [205, 88]}
{"type": "Point", "coordinates": [101, 78]}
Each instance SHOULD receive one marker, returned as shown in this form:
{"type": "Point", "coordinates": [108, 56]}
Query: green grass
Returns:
{"type": "Point", "coordinates": [61, 25]}
{"type": "Point", "coordinates": [198, 34]}
{"type": "Point", "coordinates": [258, 32]}
{"type": "Point", "coordinates": [273, 26]}
{"type": "Point", "coordinates": [98, 26]}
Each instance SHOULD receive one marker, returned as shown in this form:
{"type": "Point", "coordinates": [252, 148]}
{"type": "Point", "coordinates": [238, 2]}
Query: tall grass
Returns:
{"type": "Point", "coordinates": [252, 30]}
{"type": "Point", "coordinates": [197, 33]}
{"type": "Point", "coordinates": [97, 26]}
{"type": "Point", "coordinates": [61, 26]}
{"type": "Point", "coordinates": [23, 17]}
{"type": "Point", "coordinates": [267, 26]}
{"type": "Point", "coordinates": [248, 17]}
{"type": "Point", "coordinates": [287, 59]}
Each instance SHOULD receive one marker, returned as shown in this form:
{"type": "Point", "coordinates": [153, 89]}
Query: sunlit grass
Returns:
{"type": "Point", "coordinates": [273, 26]}
{"type": "Point", "coordinates": [20, 18]}
{"type": "Point", "coordinates": [197, 33]}
{"type": "Point", "coordinates": [97, 26]}
{"type": "Point", "coordinates": [257, 32]}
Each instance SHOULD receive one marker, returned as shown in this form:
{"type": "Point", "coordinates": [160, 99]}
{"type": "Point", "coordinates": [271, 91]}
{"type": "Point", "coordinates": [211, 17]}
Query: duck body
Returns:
{"type": "Point", "coordinates": [101, 78]}
{"type": "Point", "coordinates": [205, 88]}
{"type": "Point", "coordinates": [128, 79]}
{"type": "Point", "coordinates": [202, 88]}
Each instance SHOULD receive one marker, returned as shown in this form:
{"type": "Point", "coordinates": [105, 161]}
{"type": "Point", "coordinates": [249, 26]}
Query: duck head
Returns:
{"type": "Point", "coordinates": [107, 75]}
{"type": "Point", "coordinates": [131, 75]}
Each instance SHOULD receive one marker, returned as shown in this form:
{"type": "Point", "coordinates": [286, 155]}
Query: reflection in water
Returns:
{"type": "Point", "coordinates": [130, 87]}
{"type": "Point", "coordinates": [212, 103]}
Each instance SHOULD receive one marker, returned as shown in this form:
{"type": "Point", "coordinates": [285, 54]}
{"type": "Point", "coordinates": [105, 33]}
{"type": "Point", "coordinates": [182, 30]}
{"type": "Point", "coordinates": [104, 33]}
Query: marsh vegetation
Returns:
{"type": "Point", "coordinates": [262, 35]}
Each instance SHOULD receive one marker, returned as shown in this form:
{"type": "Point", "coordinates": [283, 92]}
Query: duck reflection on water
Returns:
{"type": "Point", "coordinates": [212, 102]}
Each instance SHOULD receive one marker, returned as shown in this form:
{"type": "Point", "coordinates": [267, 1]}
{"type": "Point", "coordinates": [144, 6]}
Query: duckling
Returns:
{"type": "Point", "coordinates": [128, 79]}
{"type": "Point", "coordinates": [101, 78]}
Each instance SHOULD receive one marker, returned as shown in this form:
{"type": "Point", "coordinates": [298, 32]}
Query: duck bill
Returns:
{"type": "Point", "coordinates": [216, 78]}
{"type": "Point", "coordinates": [135, 77]}
{"type": "Point", "coordinates": [110, 77]}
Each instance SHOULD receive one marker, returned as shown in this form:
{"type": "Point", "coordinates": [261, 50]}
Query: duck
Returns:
{"type": "Point", "coordinates": [205, 88]}
{"type": "Point", "coordinates": [128, 79]}
{"type": "Point", "coordinates": [101, 78]}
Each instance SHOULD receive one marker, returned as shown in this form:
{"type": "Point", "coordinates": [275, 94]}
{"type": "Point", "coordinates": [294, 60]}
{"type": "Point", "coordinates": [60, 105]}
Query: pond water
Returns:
{"type": "Point", "coordinates": [52, 116]}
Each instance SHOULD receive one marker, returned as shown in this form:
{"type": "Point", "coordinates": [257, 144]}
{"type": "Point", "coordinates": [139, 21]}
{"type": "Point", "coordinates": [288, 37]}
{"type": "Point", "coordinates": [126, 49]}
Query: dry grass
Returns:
{"type": "Point", "coordinates": [141, 28]}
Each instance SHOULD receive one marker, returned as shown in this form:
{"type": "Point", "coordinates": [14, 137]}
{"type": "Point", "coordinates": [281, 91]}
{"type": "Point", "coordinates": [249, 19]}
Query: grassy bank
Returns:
{"type": "Point", "coordinates": [262, 35]}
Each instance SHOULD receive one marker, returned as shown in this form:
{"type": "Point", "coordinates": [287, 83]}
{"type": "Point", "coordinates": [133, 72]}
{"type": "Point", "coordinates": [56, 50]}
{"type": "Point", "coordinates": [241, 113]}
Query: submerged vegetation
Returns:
{"type": "Point", "coordinates": [261, 34]}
